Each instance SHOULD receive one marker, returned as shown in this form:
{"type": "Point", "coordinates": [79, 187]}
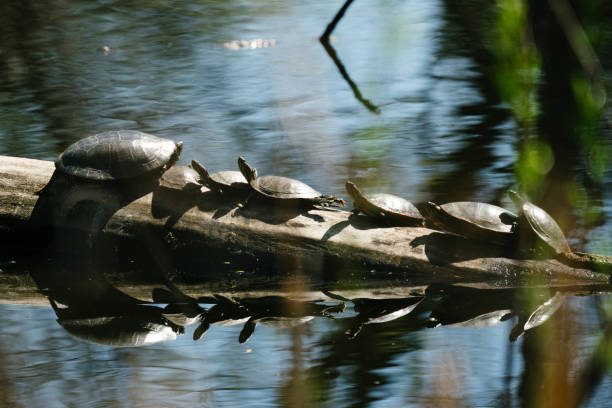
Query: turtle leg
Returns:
{"type": "Point", "coordinates": [243, 204]}
{"type": "Point", "coordinates": [330, 201]}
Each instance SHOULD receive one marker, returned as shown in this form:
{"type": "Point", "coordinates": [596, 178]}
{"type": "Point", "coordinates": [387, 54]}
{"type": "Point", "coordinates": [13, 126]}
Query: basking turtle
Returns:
{"type": "Point", "coordinates": [83, 191]}
{"type": "Point", "coordinates": [387, 207]}
{"type": "Point", "coordinates": [285, 189]}
{"type": "Point", "coordinates": [223, 182]}
{"type": "Point", "coordinates": [118, 155]}
{"type": "Point", "coordinates": [539, 228]}
{"type": "Point", "coordinates": [181, 178]}
{"type": "Point", "coordinates": [474, 220]}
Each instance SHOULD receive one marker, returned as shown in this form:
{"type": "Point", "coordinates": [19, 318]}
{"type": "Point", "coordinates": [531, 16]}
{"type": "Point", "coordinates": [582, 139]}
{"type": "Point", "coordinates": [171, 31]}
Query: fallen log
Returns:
{"type": "Point", "coordinates": [176, 229]}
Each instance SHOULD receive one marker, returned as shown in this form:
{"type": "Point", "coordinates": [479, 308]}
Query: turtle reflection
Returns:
{"type": "Point", "coordinates": [226, 312]}
{"type": "Point", "coordinates": [271, 311]}
{"type": "Point", "coordinates": [372, 311]}
{"type": "Point", "coordinates": [463, 306]}
{"type": "Point", "coordinates": [280, 312]}
{"type": "Point", "coordinates": [180, 309]}
{"type": "Point", "coordinates": [134, 325]}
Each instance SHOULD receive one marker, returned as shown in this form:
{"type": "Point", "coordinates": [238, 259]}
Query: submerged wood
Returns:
{"type": "Point", "coordinates": [213, 221]}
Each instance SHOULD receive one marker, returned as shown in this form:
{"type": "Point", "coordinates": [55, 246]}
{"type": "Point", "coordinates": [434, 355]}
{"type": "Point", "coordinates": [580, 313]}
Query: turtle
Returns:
{"type": "Point", "coordinates": [387, 207]}
{"type": "Point", "coordinates": [544, 236]}
{"type": "Point", "coordinates": [223, 182]}
{"type": "Point", "coordinates": [97, 175]}
{"type": "Point", "coordinates": [118, 155]}
{"type": "Point", "coordinates": [534, 219]}
{"type": "Point", "coordinates": [475, 220]}
{"type": "Point", "coordinates": [284, 189]}
{"type": "Point", "coordinates": [181, 178]}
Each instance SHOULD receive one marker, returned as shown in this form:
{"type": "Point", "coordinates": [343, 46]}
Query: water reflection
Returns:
{"type": "Point", "coordinates": [388, 339]}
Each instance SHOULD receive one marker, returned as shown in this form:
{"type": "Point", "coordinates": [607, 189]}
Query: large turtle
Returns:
{"type": "Point", "coordinates": [118, 155]}
{"type": "Point", "coordinates": [286, 189]}
{"type": "Point", "coordinates": [89, 182]}
{"type": "Point", "coordinates": [223, 182]}
{"type": "Point", "coordinates": [386, 207]}
{"type": "Point", "coordinates": [474, 220]}
{"type": "Point", "coordinates": [543, 235]}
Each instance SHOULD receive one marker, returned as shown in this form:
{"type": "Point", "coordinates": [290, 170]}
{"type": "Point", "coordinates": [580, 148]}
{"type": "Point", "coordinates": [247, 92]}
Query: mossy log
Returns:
{"type": "Point", "coordinates": [206, 221]}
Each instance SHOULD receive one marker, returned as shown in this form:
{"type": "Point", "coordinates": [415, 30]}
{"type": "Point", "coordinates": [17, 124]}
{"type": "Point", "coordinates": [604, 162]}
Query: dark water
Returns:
{"type": "Point", "coordinates": [434, 121]}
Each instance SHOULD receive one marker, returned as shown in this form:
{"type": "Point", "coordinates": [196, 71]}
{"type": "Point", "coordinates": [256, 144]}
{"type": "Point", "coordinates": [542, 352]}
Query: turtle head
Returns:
{"type": "Point", "coordinates": [197, 166]}
{"type": "Point", "coordinates": [431, 209]}
{"type": "Point", "coordinates": [249, 172]}
{"type": "Point", "coordinates": [517, 199]}
{"type": "Point", "coordinates": [175, 156]}
{"type": "Point", "coordinates": [353, 191]}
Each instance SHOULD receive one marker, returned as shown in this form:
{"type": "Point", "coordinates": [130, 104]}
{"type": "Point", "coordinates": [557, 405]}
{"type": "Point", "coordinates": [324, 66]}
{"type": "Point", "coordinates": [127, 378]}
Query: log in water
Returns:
{"type": "Point", "coordinates": [207, 221]}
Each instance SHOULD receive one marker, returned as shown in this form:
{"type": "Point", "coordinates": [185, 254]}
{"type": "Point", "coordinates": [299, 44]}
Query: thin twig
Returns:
{"type": "Point", "coordinates": [334, 22]}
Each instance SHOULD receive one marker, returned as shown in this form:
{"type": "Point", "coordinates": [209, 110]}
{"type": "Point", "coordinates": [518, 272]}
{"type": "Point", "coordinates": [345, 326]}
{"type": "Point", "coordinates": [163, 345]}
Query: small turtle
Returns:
{"type": "Point", "coordinates": [474, 220]}
{"type": "Point", "coordinates": [541, 224]}
{"type": "Point", "coordinates": [539, 228]}
{"type": "Point", "coordinates": [285, 189]}
{"type": "Point", "coordinates": [181, 178]}
{"type": "Point", "coordinates": [387, 207]}
{"type": "Point", "coordinates": [223, 182]}
{"type": "Point", "coordinates": [118, 155]}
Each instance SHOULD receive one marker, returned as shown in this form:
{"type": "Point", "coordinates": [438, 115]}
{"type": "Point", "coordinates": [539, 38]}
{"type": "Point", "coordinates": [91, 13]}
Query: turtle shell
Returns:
{"type": "Point", "coordinates": [283, 188]}
{"type": "Point", "coordinates": [230, 178]}
{"type": "Point", "coordinates": [181, 178]}
{"type": "Point", "coordinates": [388, 206]}
{"type": "Point", "coordinates": [223, 181]}
{"type": "Point", "coordinates": [118, 155]}
{"type": "Point", "coordinates": [474, 220]}
{"type": "Point", "coordinates": [542, 224]}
